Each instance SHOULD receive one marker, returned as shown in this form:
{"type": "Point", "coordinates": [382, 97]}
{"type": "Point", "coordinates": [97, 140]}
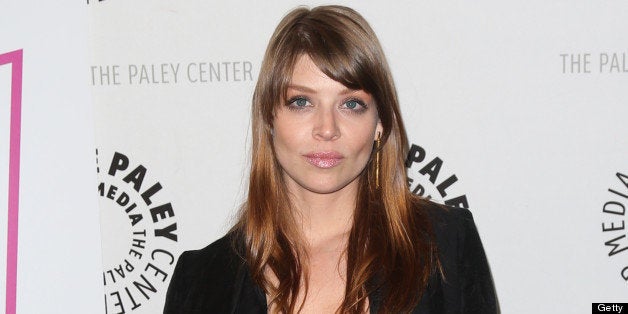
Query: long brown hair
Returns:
{"type": "Point", "coordinates": [391, 237]}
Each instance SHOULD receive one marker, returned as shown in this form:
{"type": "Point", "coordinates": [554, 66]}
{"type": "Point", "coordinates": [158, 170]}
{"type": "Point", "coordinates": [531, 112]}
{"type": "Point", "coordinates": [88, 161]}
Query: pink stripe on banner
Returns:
{"type": "Point", "coordinates": [15, 58]}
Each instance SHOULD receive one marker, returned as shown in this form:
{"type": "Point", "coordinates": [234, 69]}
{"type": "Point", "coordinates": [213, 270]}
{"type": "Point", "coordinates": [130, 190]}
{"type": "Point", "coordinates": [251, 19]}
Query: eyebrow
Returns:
{"type": "Point", "coordinates": [310, 90]}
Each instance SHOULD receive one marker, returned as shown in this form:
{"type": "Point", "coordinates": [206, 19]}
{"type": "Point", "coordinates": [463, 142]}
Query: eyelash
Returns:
{"type": "Point", "coordinates": [360, 107]}
{"type": "Point", "coordinates": [291, 103]}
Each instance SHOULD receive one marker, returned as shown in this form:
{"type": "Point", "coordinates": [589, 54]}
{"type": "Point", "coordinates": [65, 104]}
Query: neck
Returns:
{"type": "Point", "coordinates": [325, 219]}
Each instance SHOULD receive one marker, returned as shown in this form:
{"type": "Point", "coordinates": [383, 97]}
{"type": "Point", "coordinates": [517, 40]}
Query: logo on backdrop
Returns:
{"type": "Point", "coordinates": [607, 62]}
{"type": "Point", "coordinates": [172, 73]}
{"type": "Point", "coordinates": [429, 178]}
{"type": "Point", "coordinates": [139, 233]}
{"type": "Point", "coordinates": [613, 223]}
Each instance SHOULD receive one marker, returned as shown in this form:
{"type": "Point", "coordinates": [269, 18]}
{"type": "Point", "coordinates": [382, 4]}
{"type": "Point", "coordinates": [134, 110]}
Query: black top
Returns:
{"type": "Point", "coordinates": [216, 279]}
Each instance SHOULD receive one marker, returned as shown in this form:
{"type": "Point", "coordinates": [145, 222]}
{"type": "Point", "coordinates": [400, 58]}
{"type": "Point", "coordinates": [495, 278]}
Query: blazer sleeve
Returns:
{"type": "Point", "coordinates": [478, 290]}
{"type": "Point", "coordinates": [212, 280]}
{"type": "Point", "coordinates": [177, 290]}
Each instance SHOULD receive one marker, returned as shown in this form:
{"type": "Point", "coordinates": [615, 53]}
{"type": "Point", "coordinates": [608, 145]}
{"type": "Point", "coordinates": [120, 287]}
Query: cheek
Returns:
{"type": "Point", "coordinates": [287, 136]}
{"type": "Point", "coordinates": [362, 142]}
{"type": "Point", "coordinates": [367, 132]}
{"type": "Point", "coordinates": [366, 145]}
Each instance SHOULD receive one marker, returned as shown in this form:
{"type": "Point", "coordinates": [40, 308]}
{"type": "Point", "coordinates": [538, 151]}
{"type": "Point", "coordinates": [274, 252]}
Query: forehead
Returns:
{"type": "Point", "coordinates": [307, 77]}
{"type": "Point", "coordinates": [305, 69]}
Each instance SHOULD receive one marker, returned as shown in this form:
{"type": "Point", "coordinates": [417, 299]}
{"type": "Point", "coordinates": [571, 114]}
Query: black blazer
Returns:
{"type": "Point", "coordinates": [216, 279]}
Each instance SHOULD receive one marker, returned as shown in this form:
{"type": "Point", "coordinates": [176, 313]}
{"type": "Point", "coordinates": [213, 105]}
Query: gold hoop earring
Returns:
{"type": "Point", "coordinates": [378, 143]}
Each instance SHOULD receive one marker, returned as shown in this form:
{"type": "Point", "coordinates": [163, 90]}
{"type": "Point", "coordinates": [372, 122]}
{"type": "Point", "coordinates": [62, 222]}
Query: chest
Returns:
{"type": "Point", "coordinates": [326, 283]}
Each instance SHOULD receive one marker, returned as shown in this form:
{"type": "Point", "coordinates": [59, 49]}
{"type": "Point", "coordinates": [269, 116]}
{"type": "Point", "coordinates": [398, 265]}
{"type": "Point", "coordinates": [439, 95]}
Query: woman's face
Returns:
{"type": "Point", "coordinates": [324, 132]}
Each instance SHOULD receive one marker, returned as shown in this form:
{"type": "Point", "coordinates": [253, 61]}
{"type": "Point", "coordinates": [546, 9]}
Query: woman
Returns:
{"type": "Point", "coordinates": [329, 225]}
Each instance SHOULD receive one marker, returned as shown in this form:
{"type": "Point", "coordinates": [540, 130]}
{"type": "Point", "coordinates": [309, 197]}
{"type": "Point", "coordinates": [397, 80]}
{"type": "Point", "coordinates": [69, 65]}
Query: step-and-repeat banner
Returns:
{"type": "Point", "coordinates": [516, 111]}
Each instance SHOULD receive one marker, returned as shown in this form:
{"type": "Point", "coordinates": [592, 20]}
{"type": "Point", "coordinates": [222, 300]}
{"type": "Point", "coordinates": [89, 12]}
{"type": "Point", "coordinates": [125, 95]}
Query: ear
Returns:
{"type": "Point", "coordinates": [379, 129]}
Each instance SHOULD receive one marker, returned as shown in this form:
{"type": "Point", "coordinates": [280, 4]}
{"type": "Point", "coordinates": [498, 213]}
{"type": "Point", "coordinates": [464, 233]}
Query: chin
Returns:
{"type": "Point", "coordinates": [325, 187]}
{"type": "Point", "coordinates": [323, 190]}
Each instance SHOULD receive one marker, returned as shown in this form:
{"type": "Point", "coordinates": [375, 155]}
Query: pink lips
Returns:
{"type": "Point", "coordinates": [324, 160]}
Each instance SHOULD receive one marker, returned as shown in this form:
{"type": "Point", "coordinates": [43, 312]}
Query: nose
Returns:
{"type": "Point", "coordinates": [326, 125]}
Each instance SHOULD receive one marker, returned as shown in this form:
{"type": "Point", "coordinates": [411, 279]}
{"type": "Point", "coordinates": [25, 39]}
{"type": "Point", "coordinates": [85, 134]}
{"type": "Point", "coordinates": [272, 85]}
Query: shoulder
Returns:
{"type": "Point", "coordinates": [222, 257]}
{"type": "Point", "coordinates": [446, 220]}
{"type": "Point", "coordinates": [453, 229]}
{"type": "Point", "coordinates": [205, 277]}
{"type": "Point", "coordinates": [219, 252]}
{"type": "Point", "coordinates": [467, 281]}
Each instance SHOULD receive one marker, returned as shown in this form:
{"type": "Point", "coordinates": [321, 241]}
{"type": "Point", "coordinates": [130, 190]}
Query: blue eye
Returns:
{"type": "Point", "coordinates": [352, 104]}
{"type": "Point", "coordinates": [300, 102]}
{"type": "Point", "coordinates": [355, 105]}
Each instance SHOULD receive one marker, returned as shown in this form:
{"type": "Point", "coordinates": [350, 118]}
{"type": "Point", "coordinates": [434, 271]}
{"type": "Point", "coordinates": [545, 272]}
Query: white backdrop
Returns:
{"type": "Point", "coordinates": [524, 103]}
{"type": "Point", "coordinates": [58, 254]}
